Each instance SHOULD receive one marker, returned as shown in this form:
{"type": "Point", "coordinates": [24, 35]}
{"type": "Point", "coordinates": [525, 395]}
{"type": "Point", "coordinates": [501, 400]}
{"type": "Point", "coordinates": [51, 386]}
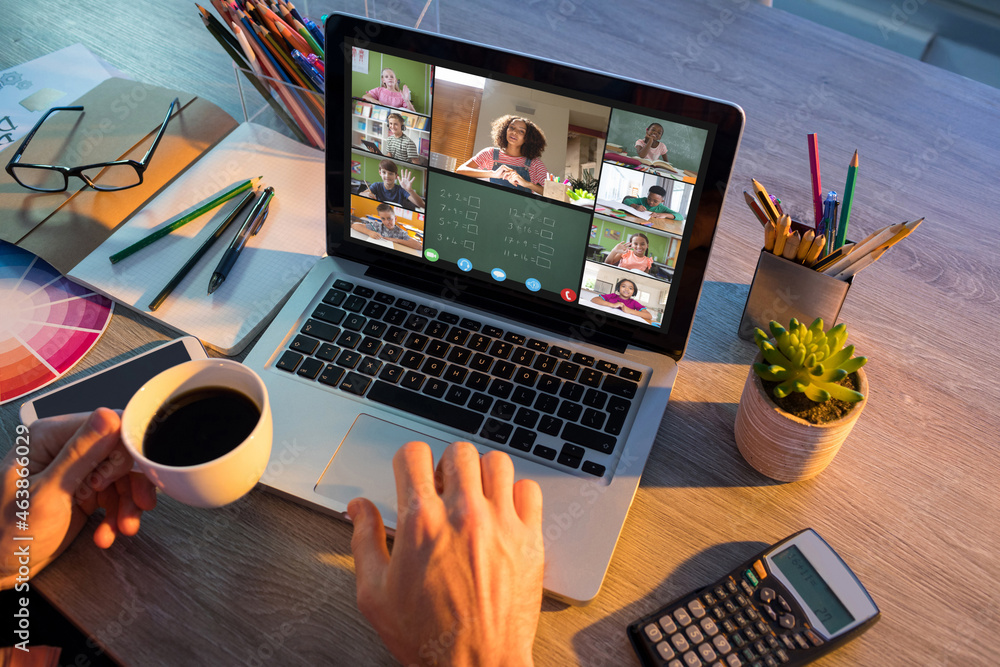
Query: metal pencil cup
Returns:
{"type": "Point", "coordinates": [783, 289]}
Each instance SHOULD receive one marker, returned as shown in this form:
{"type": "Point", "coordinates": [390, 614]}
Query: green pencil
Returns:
{"type": "Point", "coordinates": [183, 220]}
{"type": "Point", "coordinates": [845, 208]}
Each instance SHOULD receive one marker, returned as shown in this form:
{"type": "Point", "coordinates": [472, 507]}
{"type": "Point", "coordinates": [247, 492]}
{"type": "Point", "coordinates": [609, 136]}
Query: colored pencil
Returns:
{"type": "Point", "coordinates": [752, 203]}
{"type": "Point", "coordinates": [817, 187]}
{"type": "Point", "coordinates": [766, 204]}
{"type": "Point", "coordinates": [184, 219]}
{"type": "Point", "coordinates": [845, 210]}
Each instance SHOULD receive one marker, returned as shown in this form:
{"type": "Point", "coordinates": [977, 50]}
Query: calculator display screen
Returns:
{"type": "Point", "coordinates": [813, 589]}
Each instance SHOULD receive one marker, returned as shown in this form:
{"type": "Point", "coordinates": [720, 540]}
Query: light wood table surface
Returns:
{"type": "Point", "coordinates": [910, 502]}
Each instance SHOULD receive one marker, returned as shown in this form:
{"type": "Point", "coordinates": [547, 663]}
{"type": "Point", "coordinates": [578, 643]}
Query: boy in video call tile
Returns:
{"type": "Point", "coordinates": [386, 228]}
{"type": "Point", "coordinates": [396, 187]}
{"type": "Point", "coordinates": [653, 202]}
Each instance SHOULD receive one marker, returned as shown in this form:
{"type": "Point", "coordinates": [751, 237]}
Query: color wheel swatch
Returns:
{"type": "Point", "coordinates": [47, 322]}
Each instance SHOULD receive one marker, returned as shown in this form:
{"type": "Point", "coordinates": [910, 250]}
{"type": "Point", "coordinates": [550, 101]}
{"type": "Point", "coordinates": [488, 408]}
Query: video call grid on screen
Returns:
{"type": "Point", "coordinates": [627, 240]}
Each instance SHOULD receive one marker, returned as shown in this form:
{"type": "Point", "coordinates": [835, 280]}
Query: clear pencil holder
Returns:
{"type": "Point", "coordinates": [292, 110]}
{"type": "Point", "coordinates": [783, 289]}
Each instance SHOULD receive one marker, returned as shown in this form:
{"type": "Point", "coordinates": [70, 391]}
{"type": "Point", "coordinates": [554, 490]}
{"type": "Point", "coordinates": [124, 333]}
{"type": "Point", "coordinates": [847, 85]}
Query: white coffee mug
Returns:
{"type": "Point", "coordinates": [219, 481]}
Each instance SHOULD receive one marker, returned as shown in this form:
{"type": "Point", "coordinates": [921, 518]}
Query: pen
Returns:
{"type": "Point", "coordinates": [183, 220]}
{"type": "Point", "coordinates": [310, 71]}
{"type": "Point", "coordinates": [829, 222]}
{"type": "Point", "coordinates": [176, 280]}
{"type": "Point", "coordinates": [250, 228]}
{"type": "Point", "coordinates": [845, 213]}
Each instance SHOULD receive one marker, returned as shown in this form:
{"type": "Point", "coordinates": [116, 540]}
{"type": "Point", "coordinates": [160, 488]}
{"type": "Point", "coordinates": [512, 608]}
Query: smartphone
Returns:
{"type": "Point", "coordinates": [112, 387]}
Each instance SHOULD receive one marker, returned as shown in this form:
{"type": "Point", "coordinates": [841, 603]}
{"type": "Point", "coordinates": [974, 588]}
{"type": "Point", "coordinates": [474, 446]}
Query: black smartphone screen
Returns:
{"type": "Point", "coordinates": [114, 387]}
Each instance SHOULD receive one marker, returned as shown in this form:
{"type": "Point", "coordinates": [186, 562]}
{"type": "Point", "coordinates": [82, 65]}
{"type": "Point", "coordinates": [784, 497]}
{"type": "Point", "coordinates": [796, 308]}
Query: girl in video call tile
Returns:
{"type": "Point", "coordinates": [389, 93]}
{"type": "Point", "coordinates": [649, 146]}
{"type": "Point", "coordinates": [632, 254]}
{"type": "Point", "coordinates": [622, 300]}
{"type": "Point", "coordinates": [514, 161]}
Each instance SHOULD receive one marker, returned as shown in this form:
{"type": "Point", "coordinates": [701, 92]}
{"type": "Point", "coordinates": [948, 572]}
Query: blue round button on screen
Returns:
{"type": "Point", "coordinates": [499, 275]}
{"type": "Point", "coordinates": [465, 264]}
{"type": "Point", "coordinates": [532, 284]}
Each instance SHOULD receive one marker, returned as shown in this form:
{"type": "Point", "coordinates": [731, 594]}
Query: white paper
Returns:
{"type": "Point", "coordinates": [28, 90]}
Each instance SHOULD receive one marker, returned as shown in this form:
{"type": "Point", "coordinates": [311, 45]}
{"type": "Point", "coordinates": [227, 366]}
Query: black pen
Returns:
{"type": "Point", "coordinates": [250, 228]}
{"type": "Point", "coordinates": [175, 281]}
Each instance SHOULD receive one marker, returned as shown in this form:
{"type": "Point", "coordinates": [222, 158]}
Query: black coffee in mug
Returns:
{"type": "Point", "coordinates": [199, 426]}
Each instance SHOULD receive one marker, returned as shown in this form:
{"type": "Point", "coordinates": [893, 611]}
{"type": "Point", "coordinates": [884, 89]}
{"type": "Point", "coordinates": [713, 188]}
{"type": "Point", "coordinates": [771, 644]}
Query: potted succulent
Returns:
{"type": "Point", "coordinates": [801, 399]}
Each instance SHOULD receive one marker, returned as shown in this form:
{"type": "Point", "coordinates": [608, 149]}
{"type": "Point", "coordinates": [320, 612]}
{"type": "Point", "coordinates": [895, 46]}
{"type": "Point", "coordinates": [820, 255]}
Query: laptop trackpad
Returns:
{"type": "Point", "coordinates": [362, 465]}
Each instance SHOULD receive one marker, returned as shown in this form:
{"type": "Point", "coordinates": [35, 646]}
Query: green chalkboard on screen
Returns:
{"type": "Point", "coordinates": [496, 228]}
{"type": "Point", "coordinates": [685, 144]}
{"type": "Point", "coordinates": [416, 76]}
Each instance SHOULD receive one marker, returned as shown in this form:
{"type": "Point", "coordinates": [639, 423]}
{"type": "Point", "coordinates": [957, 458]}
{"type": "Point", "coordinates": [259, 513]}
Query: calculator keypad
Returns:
{"type": "Point", "coordinates": [743, 621]}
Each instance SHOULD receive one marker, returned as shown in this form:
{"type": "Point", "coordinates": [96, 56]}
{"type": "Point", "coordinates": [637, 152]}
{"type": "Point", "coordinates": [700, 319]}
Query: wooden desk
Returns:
{"type": "Point", "coordinates": [911, 501]}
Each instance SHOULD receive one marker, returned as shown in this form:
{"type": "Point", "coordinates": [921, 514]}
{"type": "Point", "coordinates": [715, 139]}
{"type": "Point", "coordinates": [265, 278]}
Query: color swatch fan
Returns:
{"type": "Point", "coordinates": [47, 322]}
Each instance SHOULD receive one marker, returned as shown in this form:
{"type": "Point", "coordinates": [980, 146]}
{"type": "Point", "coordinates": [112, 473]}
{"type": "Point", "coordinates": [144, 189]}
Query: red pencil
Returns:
{"type": "Point", "coordinates": [816, 184]}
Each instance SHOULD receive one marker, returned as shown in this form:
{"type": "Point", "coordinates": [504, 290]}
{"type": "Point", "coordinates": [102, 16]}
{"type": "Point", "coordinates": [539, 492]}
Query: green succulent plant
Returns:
{"type": "Point", "coordinates": [808, 360]}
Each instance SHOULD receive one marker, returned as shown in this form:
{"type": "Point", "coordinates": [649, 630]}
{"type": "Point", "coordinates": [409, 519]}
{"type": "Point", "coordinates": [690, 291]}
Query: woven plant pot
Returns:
{"type": "Point", "coordinates": [785, 447]}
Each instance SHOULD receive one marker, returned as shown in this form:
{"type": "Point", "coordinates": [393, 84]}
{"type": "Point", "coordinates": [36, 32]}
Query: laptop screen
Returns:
{"type": "Point", "coordinates": [563, 197]}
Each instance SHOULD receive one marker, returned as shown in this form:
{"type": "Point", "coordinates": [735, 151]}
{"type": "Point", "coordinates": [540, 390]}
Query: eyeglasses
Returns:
{"type": "Point", "coordinates": [114, 175]}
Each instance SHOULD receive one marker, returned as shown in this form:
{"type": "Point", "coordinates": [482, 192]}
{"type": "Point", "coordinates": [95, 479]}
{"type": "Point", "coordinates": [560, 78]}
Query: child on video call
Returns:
{"type": "Point", "coordinates": [632, 254]}
{"type": "Point", "coordinates": [386, 228]}
{"type": "Point", "coordinates": [397, 145]}
{"type": "Point", "coordinates": [653, 202]}
{"type": "Point", "coordinates": [391, 191]}
{"type": "Point", "coordinates": [649, 146]}
{"type": "Point", "coordinates": [515, 160]}
{"type": "Point", "coordinates": [389, 93]}
{"type": "Point", "coordinates": [621, 299]}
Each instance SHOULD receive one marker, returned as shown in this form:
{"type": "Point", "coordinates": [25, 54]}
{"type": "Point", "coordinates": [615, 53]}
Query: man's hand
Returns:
{"type": "Point", "coordinates": [76, 463]}
{"type": "Point", "coordinates": [463, 585]}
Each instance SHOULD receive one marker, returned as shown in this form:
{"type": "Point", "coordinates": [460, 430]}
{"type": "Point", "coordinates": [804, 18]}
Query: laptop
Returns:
{"type": "Point", "coordinates": [484, 314]}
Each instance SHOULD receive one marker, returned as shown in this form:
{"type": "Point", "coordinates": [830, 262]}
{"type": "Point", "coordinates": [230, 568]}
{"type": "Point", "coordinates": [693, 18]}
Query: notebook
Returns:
{"type": "Point", "coordinates": [482, 318]}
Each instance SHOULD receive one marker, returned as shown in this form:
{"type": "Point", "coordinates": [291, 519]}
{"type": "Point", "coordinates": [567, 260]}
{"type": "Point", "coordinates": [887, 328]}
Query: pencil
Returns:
{"type": "Point", "coordinates": [805, 246]}
{"type": "Point", "coordinates": [752, 203]}
{"type": "Point", "coordinates": [864, 262]}
{"type": "Point", "coordinates": [791, 248]}
{"type": "Point", "coordinates": [179, 276]}
{"type": "Point", "coordinates": [766, 204]}
{"type": "Point", "coordinates": [183, 220]}
{"type": "Point", "coordinates": [816, 185]}
{"type": "Point", "coordinates": [781, 234]}
{"type": "Point", "coordinates": [241, 62]}
{"type": "Point", "coordinates": [845, 210]}
{"type": "Point", "coordinates": [814, 250]}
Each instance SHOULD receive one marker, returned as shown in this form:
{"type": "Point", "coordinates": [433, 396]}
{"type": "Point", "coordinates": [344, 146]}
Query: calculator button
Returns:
{"type": "Point", "coordinates": [732, 660]}
{"type": "Point", "coordinates": [784, 604]}
{"type": "Point", "coordinates": [750, 634]}
{"type": "Point", "coordinates": [770, 612]}
{"type": "Point", "coordinates": [728, 626]}
{"type": "Point", "coordinates": [691, 659]}
{"type": "Point", "coordinates": [668, 625]}
{"type": "Point", "coordinates": [741, 601]}
{"type": "Point", "coordinates": [721, 645]}
{"type": "Point", "coordinates": [800, 640]}
{"type": "Point", "coordinates": [665, 651]}
{"type": "Point", "coordinates": [767, 594]}
{"type": "Point", "coordinates": [682, 616]}
{"type": "Point", "coordinates": [787, 641]}
{"type": "Point", "coordinates": [741, 620]}
{"type": "Point", "coordinates": [746, 587]}
{"type": "Point", "coordinates": [787, 621]}
{"type": "Point", "coordinates": [772, 642]}
{"type": "Point", "coordinates": [769, 661]}
{"type": "Point", "coordinates": [680, 642]}
{"type": "Point", "coordinates": [737, 640]}
{"type": "Point", "coordinates": [653, 632]}
{"type": "Point", "coordinates": [694, 634]}
{"type": "Point", "coordinates": [763, 629]}
{"type": "Point", "coordinates": [718, 613]}
{"type": "Point", "coordinates": [731, 587]}
{"type": "Point", "coordinates": [813, 637]}
{"type": "Point", "coordinates": [760, 646]}
{"type": "Point", "coordinates": [758, 568]}
{"type": "Point", "coordinates": [709, 599]}
{"type": "Point", "coordinates": [720, 592]}
{"type": "Point", "coordinates": [675, 663]}
{"type": "Point", "coordinates": [782, 656]}
{"type": "Point", "coordinates": [749, 654]}
{"type": "Point", "coordinates": [696, 608]}
{"type": "Point", "coordinates": [706, 652]}
{"type": "Point", "coordinates": [709, 626]}
{"type": "Point", "coordinates": [751, 613]}
{"type": "Point", "coordinates": [731, 607]}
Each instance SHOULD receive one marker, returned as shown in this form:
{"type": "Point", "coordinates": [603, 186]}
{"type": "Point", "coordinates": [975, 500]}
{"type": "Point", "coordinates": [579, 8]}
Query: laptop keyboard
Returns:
{"type": "Point", "coordinates": [552, 404]}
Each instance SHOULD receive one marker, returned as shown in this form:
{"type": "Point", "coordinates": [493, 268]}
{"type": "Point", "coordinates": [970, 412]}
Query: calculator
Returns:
{"type": "Point", "coordinates": [790, 604]}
